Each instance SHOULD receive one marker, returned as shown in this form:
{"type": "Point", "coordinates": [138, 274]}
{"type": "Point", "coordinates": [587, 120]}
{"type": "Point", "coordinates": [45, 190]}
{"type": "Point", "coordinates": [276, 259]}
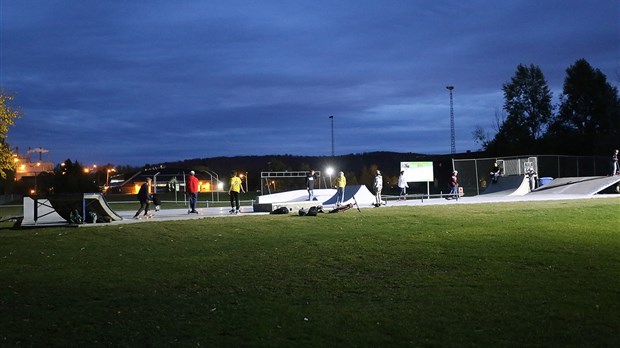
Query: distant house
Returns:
{"type": "Point", "coordinates": [26, 168]}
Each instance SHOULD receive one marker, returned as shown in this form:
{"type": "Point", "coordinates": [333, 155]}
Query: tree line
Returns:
{"type": "Point", "coordinates": [586, 121]}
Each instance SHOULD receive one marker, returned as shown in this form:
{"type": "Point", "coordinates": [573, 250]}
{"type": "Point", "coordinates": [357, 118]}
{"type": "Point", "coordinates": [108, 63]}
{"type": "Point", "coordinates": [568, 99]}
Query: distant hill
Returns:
{"type": "Point", "coordinates": [359, 168]}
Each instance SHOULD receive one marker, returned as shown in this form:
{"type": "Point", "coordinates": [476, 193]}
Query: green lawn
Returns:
{"type": "Point", "coordinates": [537, 274]}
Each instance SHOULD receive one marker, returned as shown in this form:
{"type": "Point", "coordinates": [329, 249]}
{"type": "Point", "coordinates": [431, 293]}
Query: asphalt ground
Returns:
{"type": "Point", "coordinates": [223, 212]}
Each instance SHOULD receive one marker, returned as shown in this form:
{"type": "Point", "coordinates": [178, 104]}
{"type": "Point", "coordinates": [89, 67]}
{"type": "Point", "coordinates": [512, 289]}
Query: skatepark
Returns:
{"type": "Point", "coordinates": [56, 211]}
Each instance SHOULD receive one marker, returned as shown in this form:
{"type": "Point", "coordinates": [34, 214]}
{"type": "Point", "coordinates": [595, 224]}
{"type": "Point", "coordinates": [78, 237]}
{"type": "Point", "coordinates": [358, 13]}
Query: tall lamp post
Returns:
{"type": "Point", "coordinates": [452, 132]}
{"type": "Point", "coordinates": [329, 171]}
{"type": "Point", "coordinates": [107, 177]}
{"type": "Point", "coordinates": [332, 122]}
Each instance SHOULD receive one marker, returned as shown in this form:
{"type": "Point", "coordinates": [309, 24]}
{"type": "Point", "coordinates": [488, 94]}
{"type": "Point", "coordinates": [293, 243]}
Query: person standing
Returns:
{"type": "Point", "coordinates": [496, 171]}
{"type": "Point", "coordinates": [402, 185]}
{"type": "Point", "coordinates": [378, 185]}
{"type": "Point", "coordinates": [531, 176]}
{"type": "Point", "coordinates": [192, 192]}
{"type": "Point", "coordinates": [310, 185]}
{"type": "Point", "coordinates": [614, 163]}
{"type": "Point", "coordinates": [233, 191]}
{"type": "Point", "coordinates": [454, 186]}
{"type": "Point", "coordinates": [341, 183]}
{"type": "Point", "coordinates": [144, 197]}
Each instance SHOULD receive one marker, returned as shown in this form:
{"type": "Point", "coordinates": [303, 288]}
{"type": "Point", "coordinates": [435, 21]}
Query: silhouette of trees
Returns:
{"type": "Point", "coordinates": [527, 101]}
{"type": "Point", "coordinates": [588, 121]}
{"type": "Point", "coordinates": [71, 177]}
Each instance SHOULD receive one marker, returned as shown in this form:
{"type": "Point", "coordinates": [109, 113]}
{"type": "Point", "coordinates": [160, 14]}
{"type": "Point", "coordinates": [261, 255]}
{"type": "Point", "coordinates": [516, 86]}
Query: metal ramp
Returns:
{"type": "Point", "coordinates": [510, 185]}
{"type": "Point", "coordinates": [590, 185]}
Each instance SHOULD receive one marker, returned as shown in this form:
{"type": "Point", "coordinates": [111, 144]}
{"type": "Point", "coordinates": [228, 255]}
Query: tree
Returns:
{"type": "Point", "coordinates": [71, 177]}
{"type": "Point", "coordinates": [588, 121]}
{"type": "Point", "coordinates": [7, 119]}
{"type": "Point", "coordinates": [527, 101]}
{"type": "Point", "coordinates": [481, 137]}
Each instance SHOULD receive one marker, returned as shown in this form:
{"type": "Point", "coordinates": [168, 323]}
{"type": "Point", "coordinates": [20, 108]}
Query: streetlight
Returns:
{"type": "Point", "coordinates": [107, 178]}
{"type": "Point", "coordinates": [452, 132]}
{"type": "Point", "coordinates": [36, 174]}
{"type": "Point", "coordinates": [332, 122]}
{"type": "Point", "coordinates": [329, 171]}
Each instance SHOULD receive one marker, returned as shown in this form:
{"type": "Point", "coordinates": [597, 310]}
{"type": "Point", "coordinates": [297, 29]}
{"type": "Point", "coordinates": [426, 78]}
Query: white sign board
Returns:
{"type": "Point", "coordinates": [417, 171]}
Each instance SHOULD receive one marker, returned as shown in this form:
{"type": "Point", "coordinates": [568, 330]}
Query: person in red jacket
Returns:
{"type": "Point", "coordinates": [192, 192]}
{"type": "Point", "coordinates": [454, 186]}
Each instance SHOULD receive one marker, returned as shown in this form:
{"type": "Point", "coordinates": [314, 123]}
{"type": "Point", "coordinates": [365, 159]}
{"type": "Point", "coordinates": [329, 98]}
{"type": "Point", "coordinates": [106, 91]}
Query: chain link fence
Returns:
{"type": "Point", "coordinates": [474, 174]}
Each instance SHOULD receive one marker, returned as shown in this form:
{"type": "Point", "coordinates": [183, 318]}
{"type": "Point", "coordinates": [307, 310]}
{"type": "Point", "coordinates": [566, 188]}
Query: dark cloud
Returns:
{"type": "Point", "coordinates": [133, 82]}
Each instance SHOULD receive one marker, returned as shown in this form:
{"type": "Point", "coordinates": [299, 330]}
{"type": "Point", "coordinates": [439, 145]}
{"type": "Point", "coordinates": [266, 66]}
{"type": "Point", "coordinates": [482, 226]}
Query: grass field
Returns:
{"type": "Point", "coordinates": [537, 274]}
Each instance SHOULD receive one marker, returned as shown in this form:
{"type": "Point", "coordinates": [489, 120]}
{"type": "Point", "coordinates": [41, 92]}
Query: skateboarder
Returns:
{"type": "Point", "coordinates": [454, 185]}
{"type": "Point", "coordinates": [144, 197]}
{"type": "Point", "coordinates": [310, 185]}
{"type": "Point", "coordinates": [402, 185]}
{"type": "Point", "coordinates": [378, 186]}
{"type": "Point", "coordinates": [233, 192]}
{"type": "Point", "coordinates": [341, 183]}
{"type": "Point", "coordinates": [531, 176]}
{"type": "Point", "coordinates": [192, 192]}
{"type": "Point", "coordinates": [496, 171]}
{"type": "Point", "coordinates": [614, 163]}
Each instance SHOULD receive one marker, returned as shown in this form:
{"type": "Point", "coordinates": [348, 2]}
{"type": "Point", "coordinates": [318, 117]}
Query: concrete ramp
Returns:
{"type": "Point", "coordinates": [57, 209]}
{"type": "Point", "coordinates": [83, 203]}
{"type": "Point", "coordinates": [293, 200]}
{"type": "Point", "coordinates": [361, 193]}
{"type": "Point", "coordinates": [295, 196]}
{"type": "Point", "coordinates": [590, 185]}
{"type": "Point", "coordinates": [511, 185]}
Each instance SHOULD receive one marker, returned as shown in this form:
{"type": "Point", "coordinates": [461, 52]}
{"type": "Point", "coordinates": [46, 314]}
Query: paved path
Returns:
{"type": "Point", "coordinates": [181, 214]}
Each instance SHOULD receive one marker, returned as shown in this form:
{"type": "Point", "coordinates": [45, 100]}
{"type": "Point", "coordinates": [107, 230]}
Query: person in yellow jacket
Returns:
{"type": "Point", "coordinates": [341, 183]}
{"type": "Point", "coordinates": [235, 187]}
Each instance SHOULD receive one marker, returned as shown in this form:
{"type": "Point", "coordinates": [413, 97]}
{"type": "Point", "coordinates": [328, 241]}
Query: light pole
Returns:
{"type": "Point", "coordinates": [452, 132]}
{"type": "Point", "coordinates": [332, 122]}
{"type": "Point", "coordinates": [329, 171]}
{"type": "Point", "coordinates": [36, 174]}
{"type": "Point", "coordinates": [107, 178]}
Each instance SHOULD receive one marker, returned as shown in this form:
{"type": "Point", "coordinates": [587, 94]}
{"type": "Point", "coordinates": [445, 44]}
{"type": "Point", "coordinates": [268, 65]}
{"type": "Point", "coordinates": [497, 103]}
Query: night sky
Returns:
{"type": "Point", "coordinates": [135, 82]}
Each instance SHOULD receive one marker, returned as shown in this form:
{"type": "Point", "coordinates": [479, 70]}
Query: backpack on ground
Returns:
{"type": "Point", "coordinates": [312, 211]}
{"type": "Point", "coordinates": [281, 210]}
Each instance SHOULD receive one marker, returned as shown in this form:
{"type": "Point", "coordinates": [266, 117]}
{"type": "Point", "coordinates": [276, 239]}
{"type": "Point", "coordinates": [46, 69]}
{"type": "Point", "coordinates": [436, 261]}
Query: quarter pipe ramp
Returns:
{"type": "Point", "coordinates": [511, 185]}
{"type": "Point", "coordinates": [361, 193]}
{"type": "Point", "coordinates": [55, 209]}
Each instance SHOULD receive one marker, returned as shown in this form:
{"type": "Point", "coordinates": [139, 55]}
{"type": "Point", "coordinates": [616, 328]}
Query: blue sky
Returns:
{"type": "Point", "coordinates": [135, 82]}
